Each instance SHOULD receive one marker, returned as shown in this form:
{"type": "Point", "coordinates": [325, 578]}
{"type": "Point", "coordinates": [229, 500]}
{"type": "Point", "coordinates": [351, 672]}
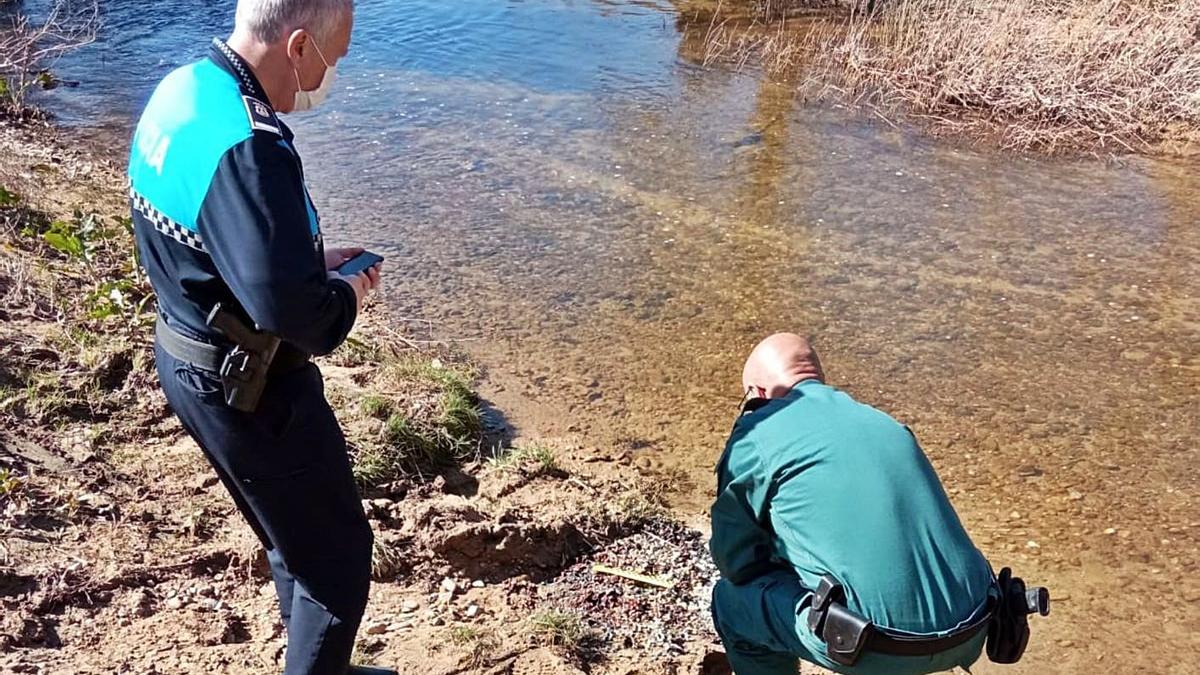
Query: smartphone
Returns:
{"type": "Point", "coordinates": [359, 263]}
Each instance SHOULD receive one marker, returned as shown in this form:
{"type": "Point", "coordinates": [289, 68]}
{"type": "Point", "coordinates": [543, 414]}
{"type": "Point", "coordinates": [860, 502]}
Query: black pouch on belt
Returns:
{"type": "Point", "coordinates": [1008, 632]}
{"type": "Point", "coordinates": [845, 633]}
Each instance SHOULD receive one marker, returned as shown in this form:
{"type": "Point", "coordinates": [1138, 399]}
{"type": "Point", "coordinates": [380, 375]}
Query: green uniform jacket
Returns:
{"type": "Point", "coordinates": [822, 484]}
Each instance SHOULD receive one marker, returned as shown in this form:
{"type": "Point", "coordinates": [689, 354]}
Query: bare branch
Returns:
{"type": "Point", "coordinates": [29, 47]}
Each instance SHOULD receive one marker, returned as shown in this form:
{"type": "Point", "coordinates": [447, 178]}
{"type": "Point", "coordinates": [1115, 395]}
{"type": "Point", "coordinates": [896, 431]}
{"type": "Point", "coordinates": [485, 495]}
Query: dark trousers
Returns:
{"type": "Point", "coordinates": [286, 468]}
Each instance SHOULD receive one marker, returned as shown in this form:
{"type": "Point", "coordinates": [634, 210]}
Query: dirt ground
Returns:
{"type": "Point", "coordinates": [121, 553]}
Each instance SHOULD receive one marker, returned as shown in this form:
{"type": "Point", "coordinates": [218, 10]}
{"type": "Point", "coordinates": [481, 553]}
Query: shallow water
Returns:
{"type": "Point", "coordinates": [608, 227]}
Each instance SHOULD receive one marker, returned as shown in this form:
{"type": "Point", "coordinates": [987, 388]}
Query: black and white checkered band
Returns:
{"type": "Point", "coordinates": [165, 225]}
{"type": "Point", "coordinates": [238, 64]}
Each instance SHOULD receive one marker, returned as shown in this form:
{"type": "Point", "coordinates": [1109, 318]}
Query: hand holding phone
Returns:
{"type": "Point", "coordinates": [361, 273]}
{"type": "Point", "coordinates": [359, 264]}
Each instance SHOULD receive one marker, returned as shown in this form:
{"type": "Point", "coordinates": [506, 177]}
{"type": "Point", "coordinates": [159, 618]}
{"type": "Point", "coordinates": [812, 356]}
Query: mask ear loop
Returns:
{"type": "Point", "coordinates": [320, 53]}
{"type": "Point", "coordinates": [753, 400]}
{"type": "Point", "coordinates": [296, 71]}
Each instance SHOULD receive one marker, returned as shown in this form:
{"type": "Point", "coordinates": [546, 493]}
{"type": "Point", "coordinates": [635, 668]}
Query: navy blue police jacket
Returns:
{"type": "Point", "coordinates": [222, 215]}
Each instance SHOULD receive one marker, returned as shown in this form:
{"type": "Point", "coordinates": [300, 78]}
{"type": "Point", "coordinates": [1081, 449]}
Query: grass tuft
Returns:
{"type": "Point", "coordinates": [386, 560]}
{"type": "Point", "coordinates": [376, 406]}
{"type": "Point", "coordinates": [460, 416]}
{"type": "Point", "coordinates": [373, 465]}
{"type": "Point", "coordinates": [541, 458]}
{"type": "Point", "coordinates": [481, 644]}
{"type": "Point", "coordinates": [558, 628]}
{"type": "Point", "coordinates": [413, 412]}
{"type": "Point", "coordinates": [407, 440]}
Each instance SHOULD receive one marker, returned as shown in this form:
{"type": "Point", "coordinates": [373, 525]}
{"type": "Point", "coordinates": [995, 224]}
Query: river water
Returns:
{"type": "Point", "coordinates": [608, 227]}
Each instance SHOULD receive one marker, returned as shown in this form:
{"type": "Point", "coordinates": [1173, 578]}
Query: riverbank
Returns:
{"type": "Point", "coordinates": [1113, 77]}
{"type": "Point", "coordinates": [609, 251]}
{"type": "Point", "coordinates": [121, 552]}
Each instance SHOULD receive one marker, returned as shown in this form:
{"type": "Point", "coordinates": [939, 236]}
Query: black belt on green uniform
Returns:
{"type": "Point", "coordinates": [207, 356]}
{"type": "Point", "coordinates": [847, 635]}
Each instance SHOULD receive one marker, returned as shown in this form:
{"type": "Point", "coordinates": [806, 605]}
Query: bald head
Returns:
{"type": "Point", "coordinates": [778, 363]}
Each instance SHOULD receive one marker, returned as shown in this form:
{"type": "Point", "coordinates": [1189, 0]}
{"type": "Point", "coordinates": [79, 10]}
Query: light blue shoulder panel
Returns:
{"type": "Point", "coordinates": [193, 118]}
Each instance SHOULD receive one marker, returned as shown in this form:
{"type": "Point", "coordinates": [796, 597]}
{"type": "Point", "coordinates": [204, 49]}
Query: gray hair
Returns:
{"type": "Point", "coordinates": [267, 20]}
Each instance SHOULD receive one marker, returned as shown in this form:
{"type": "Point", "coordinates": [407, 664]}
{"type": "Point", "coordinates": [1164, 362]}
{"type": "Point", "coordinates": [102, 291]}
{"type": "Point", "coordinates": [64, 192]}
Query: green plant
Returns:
{"type": "Point", "coordinates": [63, 239]}
{"type": "Point", "coordinates": [407, 439]}
{"type": "Point", "coordinates": [112, 298]}
{"type": "Point", "coordinates": [47, 80]}
{"type": "Point", "coordinates": [461, 635]}
{"type": "Point", "coordinates": [357, 352]}
{"type": "Point", "coordinates": [376, 406]}
{"type": "Point", "coordinates": [75, 237]}
{"type": "Point", "coordinates": [9, 483]}
{"type": "Point", "coordinates": [481, 643]}
{"type": "Point", "coordinates": [404, 443]}
{"type": "Point", "coordinates": [7, 198]}
{"type": "Point", "coordinates": [373, 465]}
{"type": "Point", "coordinates": [460, 418]}
{"type": "Point", "coordinates": [559, 628]}
{"type": "Point", "coordinates": [542, 457]}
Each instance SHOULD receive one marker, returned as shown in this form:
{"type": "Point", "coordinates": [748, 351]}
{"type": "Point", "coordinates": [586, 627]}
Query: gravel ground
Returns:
{"type": "Point", "coordinates": [628, 614]}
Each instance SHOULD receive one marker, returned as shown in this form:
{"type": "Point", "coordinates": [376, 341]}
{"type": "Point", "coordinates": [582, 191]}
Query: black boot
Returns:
{"type": "Point", "coordinates": [369, 670]}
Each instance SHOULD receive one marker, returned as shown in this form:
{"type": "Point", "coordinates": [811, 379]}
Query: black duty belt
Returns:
{"type": "Point", "coordinates": [847, 634]}
{"type": "Point", "coordinates": [244, 368]}
{"type": "Point", "coordinates": [200, 354]}
{"type": "Point", "coordinates": [210, 357]}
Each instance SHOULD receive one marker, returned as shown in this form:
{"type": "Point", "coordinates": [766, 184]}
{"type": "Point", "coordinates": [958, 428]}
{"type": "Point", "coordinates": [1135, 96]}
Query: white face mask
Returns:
{"type": "Point", "coordinates": [307, 100]}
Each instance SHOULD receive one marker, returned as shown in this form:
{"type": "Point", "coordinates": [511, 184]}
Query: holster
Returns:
{"type": "Point", "coordinates": [845, 633]}
{"type": "Point", "coordinates": [1008, 632]}
{"type": "Point", "coordinates": [243, 377]}
{"type": "Point", "coordinates": [244, 369]}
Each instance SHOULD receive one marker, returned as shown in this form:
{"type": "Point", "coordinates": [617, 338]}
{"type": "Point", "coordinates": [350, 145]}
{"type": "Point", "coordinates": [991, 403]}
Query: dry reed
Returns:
{"type": "Point", "coordinates": [1051, 75]}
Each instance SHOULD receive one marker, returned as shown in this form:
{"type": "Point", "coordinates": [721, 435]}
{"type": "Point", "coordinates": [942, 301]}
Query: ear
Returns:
{"type": "Point", "coordinates": [297, 44]}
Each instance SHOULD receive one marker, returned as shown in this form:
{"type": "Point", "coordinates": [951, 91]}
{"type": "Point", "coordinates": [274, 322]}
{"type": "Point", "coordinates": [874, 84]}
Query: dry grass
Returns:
{"type": "Point", "coordinates": [1048, 75]}
{"type": "Point", "coordinates": [72, 309]}
{"type": "Point", "coordinates": [558, 628]}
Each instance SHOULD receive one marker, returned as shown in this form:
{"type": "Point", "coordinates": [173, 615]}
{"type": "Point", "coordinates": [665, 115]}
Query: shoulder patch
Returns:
{"type": "Point", "coordinates": [261, 115]}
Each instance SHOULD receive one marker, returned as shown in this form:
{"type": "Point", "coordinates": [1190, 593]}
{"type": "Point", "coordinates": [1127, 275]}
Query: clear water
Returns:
{"type": "Point", "coordinates": [608, 228]}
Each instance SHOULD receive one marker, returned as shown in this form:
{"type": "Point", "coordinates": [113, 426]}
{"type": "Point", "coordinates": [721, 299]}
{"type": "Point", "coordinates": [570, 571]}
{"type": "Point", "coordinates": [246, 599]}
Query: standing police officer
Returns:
{"type": "Point", "coordinates": [232, 244]}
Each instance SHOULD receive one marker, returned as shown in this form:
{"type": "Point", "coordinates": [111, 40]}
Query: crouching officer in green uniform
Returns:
{"type": "Point", "coordinates": [837, 544]}
{"type": "Point", "coordinates": [247, 293]}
